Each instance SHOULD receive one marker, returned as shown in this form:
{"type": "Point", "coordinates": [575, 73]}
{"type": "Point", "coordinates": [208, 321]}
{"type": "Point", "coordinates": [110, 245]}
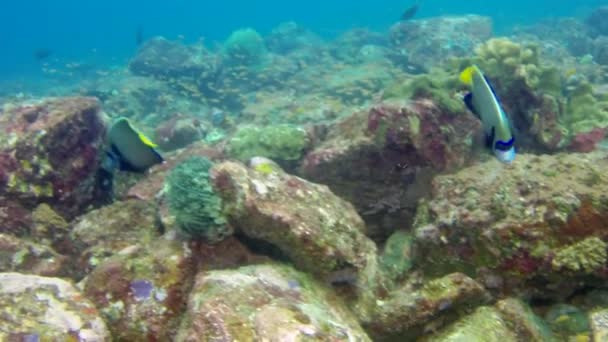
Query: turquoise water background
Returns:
{"type": "Point", "coordinates": [103, 32]}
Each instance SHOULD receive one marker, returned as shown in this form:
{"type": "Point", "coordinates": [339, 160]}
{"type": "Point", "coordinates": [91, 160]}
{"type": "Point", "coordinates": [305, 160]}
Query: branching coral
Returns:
{"type": "Point", "coordinates": [510, 62]}
{"type": "Point", "coordinates": [194, 203]}
{"type": "Point", "coordinates": [585, 256]}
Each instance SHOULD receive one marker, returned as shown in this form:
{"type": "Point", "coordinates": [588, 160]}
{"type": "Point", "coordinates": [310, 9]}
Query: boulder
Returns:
{"type": "Point", "coordinates": [536, 227]}
{"type": "Point", "coordinates": [103, 232]}
{"type": "Point", "coordinates": [141, 292]}
{"type": "Point", "coordinates": [38, 308]}
{"type": "Point", "coordinates": [309, 225]}
{"type": "Point", "coordinates": [49, 153]}
{"type": "Point", "coordinates": [382, 158]}
{"type": "Point", "coordinates": [265, 303]}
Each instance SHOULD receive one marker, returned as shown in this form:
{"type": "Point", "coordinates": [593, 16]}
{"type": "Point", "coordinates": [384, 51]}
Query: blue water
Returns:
{"type": "Point", "coordinates": [103, 32]}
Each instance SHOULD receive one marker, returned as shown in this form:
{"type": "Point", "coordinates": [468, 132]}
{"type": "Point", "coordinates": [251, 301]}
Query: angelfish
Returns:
{"type": "Point", "coordinates": [484, 103]}
{"type": "Point", "coordinates": [128, 150]}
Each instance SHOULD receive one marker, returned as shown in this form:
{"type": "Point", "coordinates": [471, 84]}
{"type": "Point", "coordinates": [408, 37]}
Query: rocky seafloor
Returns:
{"type": "Point", "coordinates": [316, 190]}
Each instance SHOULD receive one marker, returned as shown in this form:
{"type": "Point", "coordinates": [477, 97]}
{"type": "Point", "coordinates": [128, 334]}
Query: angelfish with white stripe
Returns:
{"type": "Point", "coordinates": [484, 103]}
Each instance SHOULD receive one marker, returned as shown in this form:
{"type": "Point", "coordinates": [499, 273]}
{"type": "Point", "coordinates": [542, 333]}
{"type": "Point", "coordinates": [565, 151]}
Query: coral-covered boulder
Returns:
{"type": "Point", "coordinates": [315, 229]}
{"type": "Point", "coordinates": [508, 320]}
{"type": "Point", "coordinates": [536, 227]}
{"type": "Point", "coordinates": [599, 325]}
{"type": "Point", "coordinates": [49, 152]}
{"type": "Point", "coordinates": [142, 291]}
{"type": "Point", "coordinates": [265, 303]}
{"type": "Point", "coordinates": [431, 41]}
{"type": "Point", "coordinates": [178, 132]}
{"type": "Point", "coordinates": [38, 308]}
{"type": "Point", "coordinates": [103, 232]}
{"type": "Point", "coordinates": [410, 311]}
{"type": "Point", "coordinates": [19, 255]}
{"type": "Point", "coordinates": [375, 157]}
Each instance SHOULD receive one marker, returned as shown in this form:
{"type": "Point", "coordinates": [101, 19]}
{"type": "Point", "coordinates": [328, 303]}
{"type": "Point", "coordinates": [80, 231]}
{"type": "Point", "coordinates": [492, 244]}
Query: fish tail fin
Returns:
{"type": "Point", "coordinates": [466, 76]}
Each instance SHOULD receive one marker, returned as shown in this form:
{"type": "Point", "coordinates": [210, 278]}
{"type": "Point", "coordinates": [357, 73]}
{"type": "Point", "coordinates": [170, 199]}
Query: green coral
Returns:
{"type": "Point", "coordinates": [276, 142]}
{"type": "Point", "coordinates": [584, 256]}
{"type": "Point", "coordinates": [245, 47]}
{"type": "Point", "coordinates": [194, 203]}
{"type": "Point", "coordinates": [583, 111]}
{"type": "Point", "coordinates": [513, 63]}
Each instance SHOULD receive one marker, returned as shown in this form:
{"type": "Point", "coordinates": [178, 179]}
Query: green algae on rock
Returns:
{"type": "Point", "coordinates": [265, 303]}
{"type": "Point", "coordinates": [281, 143]}
{"type": "Point", "coordinates": [397, 256]}
{"type": "Point", "coordinates": [47, 309]}
{"type": "Point", "coordinates": [196, 206]}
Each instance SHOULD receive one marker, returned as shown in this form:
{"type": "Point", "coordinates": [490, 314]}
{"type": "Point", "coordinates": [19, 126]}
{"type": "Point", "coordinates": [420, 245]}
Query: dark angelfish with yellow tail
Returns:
{"type": "Point", "coordinates": [484, 103]}
{"type": "Point", "coordinates": [128, 150]}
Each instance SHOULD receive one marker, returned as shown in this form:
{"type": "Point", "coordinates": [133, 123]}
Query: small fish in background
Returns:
{"type": "Point", "coordinates": [484, 103]}
{"type": "Point", "coordinates": [411, 11]}
{"type": "Point", "coordinates": [42, 54]}
{"type": "Point", "coordinates": [139, 35]}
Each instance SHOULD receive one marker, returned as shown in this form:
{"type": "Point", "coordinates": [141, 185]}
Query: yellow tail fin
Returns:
{"type": "Point", "coordinates": [466, 76]}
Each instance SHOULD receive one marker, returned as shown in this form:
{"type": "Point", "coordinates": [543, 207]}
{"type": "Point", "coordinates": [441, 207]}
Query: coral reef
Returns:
{"type": "Point", "coordinates": [197, 207]}
{"type": "Point", "coordinates": [429, 42]}
{"type": "Point", "coordinates": [400, 228]}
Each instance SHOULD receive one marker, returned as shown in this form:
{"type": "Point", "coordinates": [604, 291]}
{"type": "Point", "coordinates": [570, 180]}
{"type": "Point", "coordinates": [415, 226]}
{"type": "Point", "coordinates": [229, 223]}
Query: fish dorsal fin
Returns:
{"type": "Point", "coordinates": [466, 76]}
{"type": "Point", "coordinates": [144, 139]}
{"type": "Point", "coordinates": [491, 87]}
